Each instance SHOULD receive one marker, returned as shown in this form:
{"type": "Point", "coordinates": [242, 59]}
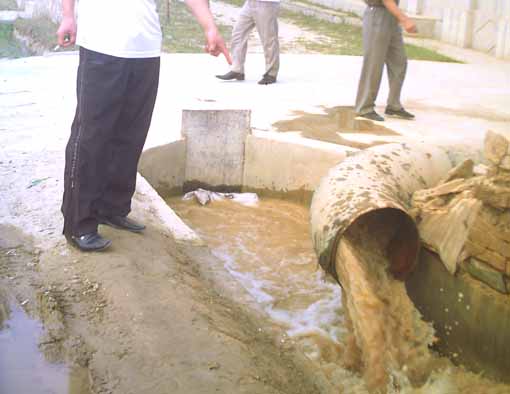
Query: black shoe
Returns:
{"type": "Point", "coordinates": [231, 75]}
{"type": "Point", "coordinates": [92, 242]}
{"type": "Point", "coordinates": [401, 113]}
{"type": "Point", "coordinates": [267, 80]}
{"type": "Point", "coordinates": [372, 116]}
{"type": "Point", "coordinates": [122, 222]}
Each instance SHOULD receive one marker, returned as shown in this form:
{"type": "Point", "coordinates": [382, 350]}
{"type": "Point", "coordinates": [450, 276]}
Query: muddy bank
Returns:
{"type": "Point", "coordinates": [142, 319]}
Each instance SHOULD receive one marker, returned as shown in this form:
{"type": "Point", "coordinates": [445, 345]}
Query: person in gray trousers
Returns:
{"type": "Point", "coordinates": [262, 14]}
{"type": "Point", "coordinates": [383, 44]}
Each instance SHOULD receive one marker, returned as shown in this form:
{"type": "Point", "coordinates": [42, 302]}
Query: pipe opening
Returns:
{"type": "Point", "coordinates": [394, 233]}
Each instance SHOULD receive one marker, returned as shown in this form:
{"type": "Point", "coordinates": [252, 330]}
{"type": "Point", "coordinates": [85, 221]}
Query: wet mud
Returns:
{"type": "Point", "coordinates": [330, 125]}
{"type": "Point", "coordinates": [34, 344]}
{"type": "Point", "coordinates": [142, 318]}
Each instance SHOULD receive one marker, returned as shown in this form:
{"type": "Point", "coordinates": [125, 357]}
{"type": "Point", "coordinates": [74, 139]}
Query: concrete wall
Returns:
{"type": "Point", "coordinates": [163, 167]}
{"type": "Point", "coordinates": [274, 164]}
{"type": "Point", "coordinates": [215, 148]}
{"type": "Point", "coordinates": [279, 164]}
{"type": "Point", "coordinates": [479, 24]}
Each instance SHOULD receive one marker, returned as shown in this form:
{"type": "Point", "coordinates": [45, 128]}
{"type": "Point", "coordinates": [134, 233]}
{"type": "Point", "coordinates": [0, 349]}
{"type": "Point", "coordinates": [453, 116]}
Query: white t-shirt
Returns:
{"type": "Point", "coordinates": [122, 28]}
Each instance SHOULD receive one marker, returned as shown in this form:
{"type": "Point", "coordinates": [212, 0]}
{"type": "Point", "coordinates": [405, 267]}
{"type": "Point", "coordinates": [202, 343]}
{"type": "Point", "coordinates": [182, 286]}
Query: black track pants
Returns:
{"type": "Point", "coordinates": [116, 98]}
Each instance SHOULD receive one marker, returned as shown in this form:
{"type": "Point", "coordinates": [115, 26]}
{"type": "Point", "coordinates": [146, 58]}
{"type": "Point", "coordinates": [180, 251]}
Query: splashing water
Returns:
{"type": "Point", "coordinates": [376, 332]}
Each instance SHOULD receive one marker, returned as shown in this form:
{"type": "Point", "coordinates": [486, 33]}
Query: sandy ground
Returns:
{"type": "Point", "coordinates": [143, 318]}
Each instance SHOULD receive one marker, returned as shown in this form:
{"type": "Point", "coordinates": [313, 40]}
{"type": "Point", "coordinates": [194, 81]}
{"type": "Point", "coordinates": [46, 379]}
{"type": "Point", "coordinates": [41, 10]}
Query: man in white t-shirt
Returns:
{"type": "Point", "coordinates": [117, 82]}
{"type": "Point", "coordinates": [262, 14]}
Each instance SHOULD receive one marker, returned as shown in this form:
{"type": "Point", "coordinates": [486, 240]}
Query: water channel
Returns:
{"type": "Point", "coordinates": [267, 248]}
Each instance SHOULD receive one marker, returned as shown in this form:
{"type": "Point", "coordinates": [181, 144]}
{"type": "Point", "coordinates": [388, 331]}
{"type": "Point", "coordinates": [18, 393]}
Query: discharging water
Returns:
{"type": "Point", "coordinates": [267, 248]}
{"type": "Point", "coordinates": [23, 368]}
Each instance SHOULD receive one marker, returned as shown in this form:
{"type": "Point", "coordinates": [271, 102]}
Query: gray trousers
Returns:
{"type": "Point", "coordinates": [382, 44]}
{"type": "Point", "coordinates": [264, 16]}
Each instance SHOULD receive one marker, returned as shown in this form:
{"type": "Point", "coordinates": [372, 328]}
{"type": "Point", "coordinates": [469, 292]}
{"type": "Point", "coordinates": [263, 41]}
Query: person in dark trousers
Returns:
{"type": "Point", "coordinates": [383, 44]}
{"type": "Point", "coordinates": [117, 83]}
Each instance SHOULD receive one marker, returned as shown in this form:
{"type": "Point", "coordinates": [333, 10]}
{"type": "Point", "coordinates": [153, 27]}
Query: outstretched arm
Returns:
{"type": "Point", "coordinates": [214, 42]}
{"type": "Point", "coordinates": [66, 32]}
{"type": "Point", "coordinates": [408, 25]}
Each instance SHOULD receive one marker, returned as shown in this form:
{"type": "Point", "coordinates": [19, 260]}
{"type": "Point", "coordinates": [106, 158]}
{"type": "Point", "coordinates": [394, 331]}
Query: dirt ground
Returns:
{"type": "Point", "coordinates": [145, 318]}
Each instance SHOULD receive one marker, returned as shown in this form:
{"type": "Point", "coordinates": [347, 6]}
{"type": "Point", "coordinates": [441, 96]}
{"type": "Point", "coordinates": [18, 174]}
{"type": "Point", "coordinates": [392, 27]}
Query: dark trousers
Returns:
{"type": "Point", "coordinates": [116, 98]}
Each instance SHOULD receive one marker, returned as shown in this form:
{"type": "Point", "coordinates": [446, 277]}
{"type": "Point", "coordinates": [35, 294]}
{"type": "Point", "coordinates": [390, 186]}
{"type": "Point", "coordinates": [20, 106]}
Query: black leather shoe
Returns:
{"type": "Point", "coordinates": [372, 116]}
{"type": "Point", "coordinates": [122, 222]}
{"type": "Point", "coordinates": [401, 113]}
{"type": "Point", "coordinates": [92, 242]}
{"type": "Point", "coordinates": [267, 80]}
{"type": "Point", "coordinates": [231, 75]}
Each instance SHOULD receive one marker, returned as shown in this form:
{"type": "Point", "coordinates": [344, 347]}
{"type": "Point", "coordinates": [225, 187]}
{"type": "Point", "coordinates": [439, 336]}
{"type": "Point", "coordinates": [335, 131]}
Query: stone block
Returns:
{"type": "Point", "coordinates": [463, 171]}
{"type": "Point", "coordinates": [495, 147]}
{"type": "Point", "coordinates": [453, 187]}
{"type": "Point", "coordinates": [215, 144]}
{"type": "Point", "coordinates": [491, 258]}
{"type": "Point", "coordinates": [487, 275]}
{"type": "Point", "coordinates": [505, 163]}
{"type": "Point", "coordinates": [486, 236]}
{"type": "Point", "coordinates": [493, 194]}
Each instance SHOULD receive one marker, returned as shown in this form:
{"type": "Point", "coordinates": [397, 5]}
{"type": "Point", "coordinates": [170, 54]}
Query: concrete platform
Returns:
{"type": "Point", "coordinates": [37, 100]}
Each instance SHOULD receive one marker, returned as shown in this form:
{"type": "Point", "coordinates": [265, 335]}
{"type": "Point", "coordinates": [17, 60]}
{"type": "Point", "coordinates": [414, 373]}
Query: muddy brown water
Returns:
{"type": "Point", "coordinates": [267, 248]}
{"type": "Point", "coordinates": [23, 367]}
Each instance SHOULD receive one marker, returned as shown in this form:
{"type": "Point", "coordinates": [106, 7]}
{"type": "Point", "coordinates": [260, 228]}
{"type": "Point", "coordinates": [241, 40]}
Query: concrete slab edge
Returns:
{"type": "Point", "coordinates": [173, 223]}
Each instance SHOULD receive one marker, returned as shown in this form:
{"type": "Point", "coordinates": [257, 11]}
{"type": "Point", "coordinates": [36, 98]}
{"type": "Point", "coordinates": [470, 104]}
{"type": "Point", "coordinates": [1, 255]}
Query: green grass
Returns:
{"type": "Point", "coordinates": [8, 5]}
{"type": "Point", "coordinates": [41, 30]}
{"type": "Point", "coordinates": [181, 32]}
{"type": "Point", "coordinates": [420, 53]}
{"type": "Point", "coordinates": [342, 39]}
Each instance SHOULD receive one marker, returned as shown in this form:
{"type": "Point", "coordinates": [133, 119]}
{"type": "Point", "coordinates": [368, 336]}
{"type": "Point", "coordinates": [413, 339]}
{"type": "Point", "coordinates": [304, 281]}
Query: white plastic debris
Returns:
{"type": "Point", "coordinates": [206, 196]}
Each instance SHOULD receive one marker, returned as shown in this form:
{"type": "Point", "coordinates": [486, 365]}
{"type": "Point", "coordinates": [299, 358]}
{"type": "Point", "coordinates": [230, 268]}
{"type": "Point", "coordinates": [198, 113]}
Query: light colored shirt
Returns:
{"type": "Point", "coordinates": [122, 28]}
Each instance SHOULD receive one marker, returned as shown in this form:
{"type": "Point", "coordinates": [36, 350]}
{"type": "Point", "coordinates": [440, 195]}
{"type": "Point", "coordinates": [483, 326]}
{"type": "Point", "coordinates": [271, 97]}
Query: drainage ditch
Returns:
{"type": "Point", "coordinates": [267, 248]}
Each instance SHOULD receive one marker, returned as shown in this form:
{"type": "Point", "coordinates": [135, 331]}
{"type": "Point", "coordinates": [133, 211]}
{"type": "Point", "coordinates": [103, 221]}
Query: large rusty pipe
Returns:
{"type": "Point", "coordinates": [374, 186]}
